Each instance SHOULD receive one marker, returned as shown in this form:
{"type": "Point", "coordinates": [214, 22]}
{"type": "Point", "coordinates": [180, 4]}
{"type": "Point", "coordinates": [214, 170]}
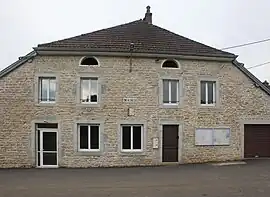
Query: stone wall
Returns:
{"type": "Point", "coordinates": [239, 100]}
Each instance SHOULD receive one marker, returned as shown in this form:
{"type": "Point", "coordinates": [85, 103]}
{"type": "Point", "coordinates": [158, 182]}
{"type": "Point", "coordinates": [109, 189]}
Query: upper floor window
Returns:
{"type": "Point", "coordinates": [208, 93]}
{"type": "Point", "coordinates": [170, 64]}
{"type": "Point", "coordinates": [89, 90]}
{"type": "Point", "coordinates": [89, 61]}
{"type": "Point", "coordinates": [170, 91]}
{"type": "Point", "coordinates": [47, 89]}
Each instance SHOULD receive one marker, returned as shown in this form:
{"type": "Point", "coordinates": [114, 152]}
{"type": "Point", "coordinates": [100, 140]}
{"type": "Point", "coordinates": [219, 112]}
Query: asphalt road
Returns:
{"type": "Point", "coordinates": [248, 180]}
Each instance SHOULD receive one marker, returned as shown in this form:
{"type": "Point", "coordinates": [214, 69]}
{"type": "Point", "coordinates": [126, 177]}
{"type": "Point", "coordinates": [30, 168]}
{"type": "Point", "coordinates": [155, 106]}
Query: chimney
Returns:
{"type": "Point", "coordinates": [148, 15]}
{"type": "Point", "coordinates": [266, 83]}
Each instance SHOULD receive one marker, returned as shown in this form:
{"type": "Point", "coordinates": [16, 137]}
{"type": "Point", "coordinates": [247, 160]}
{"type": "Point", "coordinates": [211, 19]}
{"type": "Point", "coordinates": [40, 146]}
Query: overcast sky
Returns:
{"type": "Point", "coordinates": [218, 23]}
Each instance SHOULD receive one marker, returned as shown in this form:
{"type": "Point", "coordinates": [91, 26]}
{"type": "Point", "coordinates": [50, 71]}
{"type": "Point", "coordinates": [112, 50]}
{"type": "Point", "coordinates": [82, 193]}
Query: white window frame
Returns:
{"type": "Point", "coordinates": [174, 60]}
{"type": "Point", "coordinates": [131, 138]}
{"type": "Point", "coordinates": [89, 80]}
{"type": "Point", "coordinates": [170, 92]}
{"type": "Point", "coordinates": [206, 93]}
{"type": "Point", "coordinates": [48, 90]}
{"type": "Point", "coordinates": [83, 58]}
{"type": "Point", "coordinates": [89, 138]}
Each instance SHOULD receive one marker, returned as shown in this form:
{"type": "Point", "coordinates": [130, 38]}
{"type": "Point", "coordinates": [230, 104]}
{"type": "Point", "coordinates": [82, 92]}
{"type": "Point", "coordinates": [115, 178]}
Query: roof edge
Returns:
{"type": "Point", "coordinates": [95, 31]}
{"type": "Point", "coordinates": [103, 52]}
{"type": "Point", "coordinates": [201, 43]}
{"type": "Point", "coordinates": [241, 67]}
{"type": "Point", "coordinates": [18, 63]}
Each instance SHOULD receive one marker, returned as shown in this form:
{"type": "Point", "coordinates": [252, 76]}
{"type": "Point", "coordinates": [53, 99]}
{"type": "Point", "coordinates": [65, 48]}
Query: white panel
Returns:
{"type": "Point", "coordinates": [204, 137]}
{"type": "Point", "coordinates": [131, 112]}
{"type": "Point", "coordinates": [155, 142]}
{"type": "Point", "coordinates": [221, 136]}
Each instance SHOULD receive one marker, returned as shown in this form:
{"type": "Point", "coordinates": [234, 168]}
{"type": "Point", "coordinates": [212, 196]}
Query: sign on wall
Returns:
{"type": "Point", "coordinates": [129, 100]}
{"type": "Point", "coordinates": [204, 137]}
{"type": "Point", "coordinates": [155, 142]}
{"type": "Point", "coordinates": [221, 137]}
{"type": "Point", "coordinates": [212, 136]}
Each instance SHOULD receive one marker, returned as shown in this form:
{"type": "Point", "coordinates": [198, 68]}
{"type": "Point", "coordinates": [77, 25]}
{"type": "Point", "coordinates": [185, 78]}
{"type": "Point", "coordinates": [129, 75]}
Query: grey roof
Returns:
{"type": "Point", "coordinates": [266, 83]}
{"type": "Point", "coordinates": [18, 63]}
{"type": "Point", "coordinates": [241, 67]}
{"type": "Point", "coordinates": [147, 38]}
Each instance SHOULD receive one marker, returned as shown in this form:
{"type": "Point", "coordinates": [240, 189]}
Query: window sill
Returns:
{"type": "Point", "coordinates": [46, 104]}
{"type": "Point", "coordinates": [90, 65]}
{"type": "Point", "coordinates": [171, 68]}
{"type": "Point", "coordinates": [90, 153]}
{"type": "Point", "coordinates": [88, 105]}
{"type": "Point", "coordinates": [212, 145]}
{"type": "Point", "coordinates": [141, 152]}
{"type": "Point", "coordinates": [170, 105]}
{"type": "Point", "coordinates": [209, 107]}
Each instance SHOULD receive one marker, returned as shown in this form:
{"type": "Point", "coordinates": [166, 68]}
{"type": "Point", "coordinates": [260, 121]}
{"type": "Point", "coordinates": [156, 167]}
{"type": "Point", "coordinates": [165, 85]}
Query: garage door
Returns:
{"type": "Point", "coordinates": [257, 140]}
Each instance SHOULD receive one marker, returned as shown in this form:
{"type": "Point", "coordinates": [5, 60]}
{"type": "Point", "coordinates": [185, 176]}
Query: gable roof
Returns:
{"type": "Point", "coordinates": [241, 67]}
{"type": "Point", "coordinates": [147, 38]}
{"type": "Point", "coordinates": [17, 64]}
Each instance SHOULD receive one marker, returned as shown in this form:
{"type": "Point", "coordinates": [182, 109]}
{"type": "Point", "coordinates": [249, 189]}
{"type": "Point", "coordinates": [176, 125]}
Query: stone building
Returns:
{"type": "Point", "coordinates": [129, 95]}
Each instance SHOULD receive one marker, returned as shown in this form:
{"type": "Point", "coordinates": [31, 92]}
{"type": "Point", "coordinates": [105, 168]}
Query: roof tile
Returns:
{"type": "Point", "coordinates": [147, 38]}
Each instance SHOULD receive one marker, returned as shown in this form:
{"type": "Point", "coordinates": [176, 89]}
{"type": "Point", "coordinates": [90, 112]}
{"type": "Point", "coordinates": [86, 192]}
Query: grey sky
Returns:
{"type": "Point", "coordinates": [222, 23]}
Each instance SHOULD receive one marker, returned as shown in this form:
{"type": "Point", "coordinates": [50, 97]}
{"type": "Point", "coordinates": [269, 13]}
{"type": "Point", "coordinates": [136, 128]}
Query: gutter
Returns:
{"type": "Point", "coordinates": [116, 53]}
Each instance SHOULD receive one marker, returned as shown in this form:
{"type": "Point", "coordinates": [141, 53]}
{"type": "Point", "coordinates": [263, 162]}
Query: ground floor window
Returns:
{"type": "Point", "coordinates": [131, 137]}
{"type": "Point", "coordinates": [89, 137]}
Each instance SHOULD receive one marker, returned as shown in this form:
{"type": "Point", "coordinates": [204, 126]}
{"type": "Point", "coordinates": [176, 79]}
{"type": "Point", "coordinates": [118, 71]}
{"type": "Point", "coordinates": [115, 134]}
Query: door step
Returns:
{"type": "Point", "coordinates": [229, 163]}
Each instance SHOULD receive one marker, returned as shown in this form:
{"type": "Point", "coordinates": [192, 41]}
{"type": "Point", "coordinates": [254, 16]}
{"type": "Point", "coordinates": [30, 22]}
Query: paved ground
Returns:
{"type": "Point", "coordinates": [248, 180]}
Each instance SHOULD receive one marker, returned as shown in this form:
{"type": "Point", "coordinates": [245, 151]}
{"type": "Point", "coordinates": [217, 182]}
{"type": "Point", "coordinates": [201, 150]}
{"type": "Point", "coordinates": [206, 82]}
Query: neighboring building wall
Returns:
{"type": "Point", "coordinates": [239, 100]}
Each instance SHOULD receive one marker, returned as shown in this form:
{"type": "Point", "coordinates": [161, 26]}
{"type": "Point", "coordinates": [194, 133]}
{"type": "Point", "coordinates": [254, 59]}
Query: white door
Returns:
{"type": "Point", "coordinates": [47, 146]}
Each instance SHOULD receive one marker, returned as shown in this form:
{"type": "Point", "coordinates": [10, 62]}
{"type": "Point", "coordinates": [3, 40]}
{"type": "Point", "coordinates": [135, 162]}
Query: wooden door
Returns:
{"type": "Point", "coordinates": [170, 143]}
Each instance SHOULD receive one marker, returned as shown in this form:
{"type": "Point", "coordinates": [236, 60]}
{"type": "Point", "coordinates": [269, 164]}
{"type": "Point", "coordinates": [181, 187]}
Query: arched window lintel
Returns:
{"type": "Point", "coordinates": [89, 61]}
{"type": "Point", "coordinates": [170, 63]}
